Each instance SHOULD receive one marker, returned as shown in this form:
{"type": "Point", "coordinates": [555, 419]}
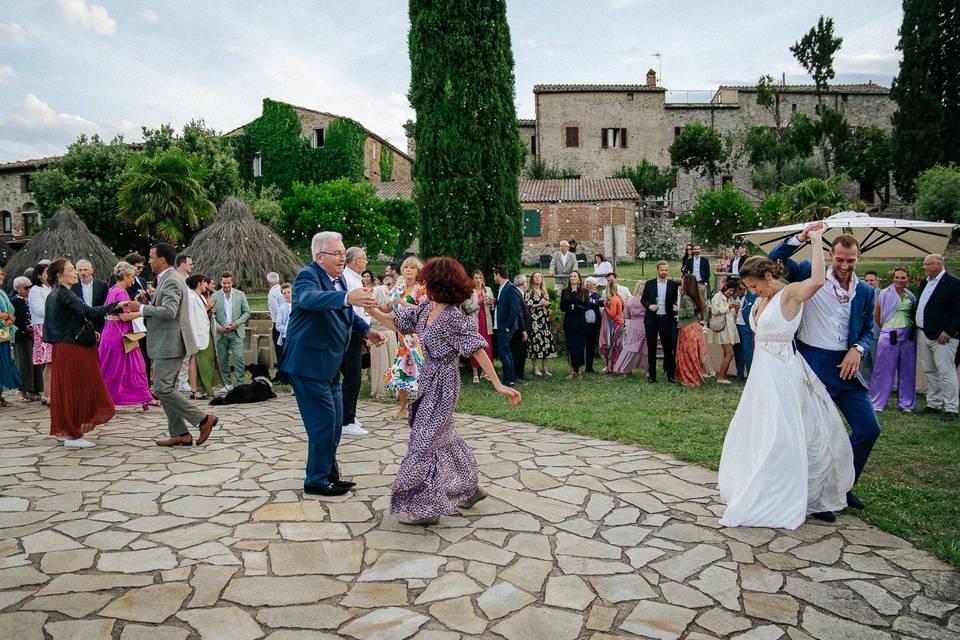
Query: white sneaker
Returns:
{"type": "Point", "coordinates": [79, 443]}
{"type": "Point", "coordinates": [185, 388]}
{"type": "Point", "coordinates": [354, 429]}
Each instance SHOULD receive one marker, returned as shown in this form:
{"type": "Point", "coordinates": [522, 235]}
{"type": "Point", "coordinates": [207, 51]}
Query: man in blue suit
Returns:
{"type": "Point", "coordinates": [506, 321]}
{"type": "Point", "coordinates": [836, 330]}
{"type": "Point", "coordinates": [321, 319]}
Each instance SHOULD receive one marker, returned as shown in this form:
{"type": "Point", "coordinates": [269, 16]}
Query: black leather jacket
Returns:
{"type": "Point", "coordinates": [64, 314]}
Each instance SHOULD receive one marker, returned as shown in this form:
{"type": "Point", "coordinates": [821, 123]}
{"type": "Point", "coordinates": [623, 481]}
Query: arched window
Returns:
{"type": "Point", "coordinates": [7, 221]}
{"type": "Point", "coordinates": [30, 217]}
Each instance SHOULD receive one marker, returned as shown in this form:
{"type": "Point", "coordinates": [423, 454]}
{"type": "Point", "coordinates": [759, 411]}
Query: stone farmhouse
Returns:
{"type": "Point", "coordinates": [597, 129]}
{"type": "Point", "coordinates": [18, 209]}
{"type": "Point", "coordinates": [314, 123]}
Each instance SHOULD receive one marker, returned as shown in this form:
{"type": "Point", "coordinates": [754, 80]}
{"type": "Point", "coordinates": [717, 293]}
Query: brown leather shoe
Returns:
{"type": "Point", "coordinates": [186, 440]}
{"type": "Point", "coordinates": [206, 427]}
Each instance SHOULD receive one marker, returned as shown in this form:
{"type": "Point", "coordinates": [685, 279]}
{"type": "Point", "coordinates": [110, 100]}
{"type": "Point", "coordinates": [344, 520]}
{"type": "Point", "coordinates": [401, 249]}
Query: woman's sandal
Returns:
{"type": "Point", "coordinates": [4, 403]}
{"type": "Point", "coordinates": [477, 496]}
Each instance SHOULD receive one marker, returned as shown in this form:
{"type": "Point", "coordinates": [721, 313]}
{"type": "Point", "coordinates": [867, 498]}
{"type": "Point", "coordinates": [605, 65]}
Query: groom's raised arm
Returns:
{"type": "Point", "coordinates": [795, 271]}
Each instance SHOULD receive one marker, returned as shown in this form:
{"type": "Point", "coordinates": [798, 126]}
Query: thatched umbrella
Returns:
{"type": "Point", "coordinates": [237, 243]}
{"type": "Point", "coordinates": [64, 236]}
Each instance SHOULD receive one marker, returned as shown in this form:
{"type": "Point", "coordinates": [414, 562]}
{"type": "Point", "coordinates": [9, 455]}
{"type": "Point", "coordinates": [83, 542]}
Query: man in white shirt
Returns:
{"type": "Point", "coordinates": [739, 259]}
{"type": "Point", "coordinates": [274, 302]}
{"type": "Point", "coordinates": [836, 328]}
{"type": "Point", "coordinates": [612, 283]}
{"type": "Point", "coordinates": [352, 365]}
{"type": "Point", "coordinates": [184, 266]}
{"type": "Point", "coordinates": [660, 297]}
{"type": "Point", "coordinates": [91, 290]}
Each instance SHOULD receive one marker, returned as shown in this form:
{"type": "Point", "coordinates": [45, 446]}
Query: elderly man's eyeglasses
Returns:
{"type": "Point", "coordinates": [339, 254]}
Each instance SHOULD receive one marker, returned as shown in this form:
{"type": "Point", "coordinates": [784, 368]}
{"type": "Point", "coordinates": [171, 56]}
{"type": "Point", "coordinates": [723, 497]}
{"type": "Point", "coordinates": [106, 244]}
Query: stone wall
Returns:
{"type": "Point", "coordinates": [15, 202]}
{"type": "Point", "coordinates": [584, 221]}
{"type": "Point", "coordinates": [660, 238]}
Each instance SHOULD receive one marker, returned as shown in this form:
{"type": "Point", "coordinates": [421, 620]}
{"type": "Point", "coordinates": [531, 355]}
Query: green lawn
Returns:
{"type": "Point", "coordinates": [910, 482]}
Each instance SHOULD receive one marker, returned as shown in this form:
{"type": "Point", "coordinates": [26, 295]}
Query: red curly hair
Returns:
{"type": "Point", "coordinates": [446, 280]}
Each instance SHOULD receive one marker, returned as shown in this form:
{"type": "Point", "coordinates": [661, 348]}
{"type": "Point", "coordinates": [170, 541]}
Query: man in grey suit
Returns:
{"type": "Point", "coordinates": [169, 341]}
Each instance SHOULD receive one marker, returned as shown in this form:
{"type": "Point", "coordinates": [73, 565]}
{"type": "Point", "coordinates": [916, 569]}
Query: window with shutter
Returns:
{"type": "Point", "coordinates": [533, 145]}
{"type": "Point", "coordinates": [317, 138]}
{"type": "Point", "coordinates": [573, 136]}
{"type": "Point", "coordinates": [623, 138]}
{"type": "Point", "coordinates": [257, 167]}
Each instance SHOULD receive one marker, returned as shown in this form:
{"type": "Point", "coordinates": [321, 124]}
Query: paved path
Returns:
{"type": "Point", "coordinates": [581, 538]}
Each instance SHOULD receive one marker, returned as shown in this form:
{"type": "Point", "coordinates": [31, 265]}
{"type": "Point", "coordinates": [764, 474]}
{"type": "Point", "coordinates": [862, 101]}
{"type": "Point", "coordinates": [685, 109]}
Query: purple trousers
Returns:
{"type": "Point", "coordinates": [898, 360]}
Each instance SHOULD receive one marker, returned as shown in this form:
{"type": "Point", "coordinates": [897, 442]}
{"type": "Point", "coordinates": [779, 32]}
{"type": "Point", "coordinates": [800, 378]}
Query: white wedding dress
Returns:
{"type": "Point", "coordinates": [786, 453]}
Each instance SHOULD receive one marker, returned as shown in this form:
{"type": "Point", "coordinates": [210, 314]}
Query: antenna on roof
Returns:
{"type": "Point", "coordinates": [659, 57]}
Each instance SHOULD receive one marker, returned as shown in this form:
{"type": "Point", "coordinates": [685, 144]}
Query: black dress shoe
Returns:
{"type": "Point", "coordinates": [826, 516]}
{"type": "Point", "coordinates": [853, 501]}
{"type": "Point", "coordinates": [671, 379]}
{"type": "Point", "coordinates": [344, 483]}
{"type": "Point", "coordinates": [651, 380]}
{"type": "Point", "coordinates": [930, 410]}
{"type": "Point", "coordinates": [948, 416]}
{"type": "Point", "coordinates": [329, 489]}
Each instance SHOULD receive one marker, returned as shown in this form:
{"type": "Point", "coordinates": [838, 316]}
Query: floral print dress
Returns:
{"type": "Point", "coordinates": [541, 343]}
{"type": "Point", "coordinates": [402, 376]}
{"type": "Point", "coordinates": [439, 471]}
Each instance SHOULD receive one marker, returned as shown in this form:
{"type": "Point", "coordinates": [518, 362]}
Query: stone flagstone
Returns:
{"type": "Point", "coordinates": [579, 539]}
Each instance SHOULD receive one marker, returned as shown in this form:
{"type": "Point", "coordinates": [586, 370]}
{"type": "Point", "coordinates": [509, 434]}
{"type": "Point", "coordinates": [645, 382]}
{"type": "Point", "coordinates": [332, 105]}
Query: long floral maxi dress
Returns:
{"type": "Point", "coordinates": [541, 343]}
{"type": "Point", "coordinates": [439, 472]}
{"type": "Point", "coordinates": [403, 375]}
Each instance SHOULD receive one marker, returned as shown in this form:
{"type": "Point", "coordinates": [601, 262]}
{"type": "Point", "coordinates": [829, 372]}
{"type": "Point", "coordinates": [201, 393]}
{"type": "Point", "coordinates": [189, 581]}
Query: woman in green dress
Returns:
{"type": "Point", "coordinates": [204, 378]}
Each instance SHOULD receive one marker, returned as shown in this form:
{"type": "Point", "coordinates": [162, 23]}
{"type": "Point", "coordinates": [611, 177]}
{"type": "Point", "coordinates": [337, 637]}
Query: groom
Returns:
{"type": "Point", "coordinates": [836, 329]}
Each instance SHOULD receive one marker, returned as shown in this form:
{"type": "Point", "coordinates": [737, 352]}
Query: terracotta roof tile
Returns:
{"type": "Point", "coordinates": [395, 189]}
{"type": "Point", "coordinates": [29, 164]}
{"type": "Point", "coordinates": [581, 88]}
{"type": "Point", "coordinates": [868, 87]}
{"type": "Point", "coordinates": [577, 190]}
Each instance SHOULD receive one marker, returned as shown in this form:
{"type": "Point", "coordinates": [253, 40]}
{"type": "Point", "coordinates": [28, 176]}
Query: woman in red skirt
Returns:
{"type": "Point", "coordinates": [79, 401]}
{"type": "Point", "coordinates": [691, 349]}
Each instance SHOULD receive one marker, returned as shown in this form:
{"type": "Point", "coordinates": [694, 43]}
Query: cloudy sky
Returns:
{"type": "Point", "coordinates": [112, 66]}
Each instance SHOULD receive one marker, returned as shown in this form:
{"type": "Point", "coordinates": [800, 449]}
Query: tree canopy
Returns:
{"type": "Point", "coordinates": [469, 152]}
{"type": "Point", "coordinates": [699, 147]}
{"type": "Point", "coordinates": [938, 193]}
{"type": "Point", "coordinates": [649, 179]}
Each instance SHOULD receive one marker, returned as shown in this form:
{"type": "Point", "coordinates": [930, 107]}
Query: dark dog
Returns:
{"type": "Point", "coordinates": [257, 391]}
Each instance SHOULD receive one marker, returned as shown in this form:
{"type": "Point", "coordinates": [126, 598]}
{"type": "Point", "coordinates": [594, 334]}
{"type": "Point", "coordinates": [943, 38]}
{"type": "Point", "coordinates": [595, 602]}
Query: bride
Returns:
{"type": "Point", "coordinates": [786, 453]}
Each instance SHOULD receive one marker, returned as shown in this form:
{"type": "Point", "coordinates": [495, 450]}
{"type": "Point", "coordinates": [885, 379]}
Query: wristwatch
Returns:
{"type": "Point", "coordinates": [859, 349]}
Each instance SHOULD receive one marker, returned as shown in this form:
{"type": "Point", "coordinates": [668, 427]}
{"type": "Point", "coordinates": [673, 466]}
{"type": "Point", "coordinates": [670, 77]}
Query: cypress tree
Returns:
{"type": "Point", "coordinates": [469, 153]}
{"type": "Point", "coordinates": [927, 91]}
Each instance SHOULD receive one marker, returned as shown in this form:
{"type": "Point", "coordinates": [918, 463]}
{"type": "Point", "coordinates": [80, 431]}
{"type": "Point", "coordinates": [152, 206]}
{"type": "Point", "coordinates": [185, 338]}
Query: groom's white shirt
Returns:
{"type": "Point", "coordinates": [825, 323]}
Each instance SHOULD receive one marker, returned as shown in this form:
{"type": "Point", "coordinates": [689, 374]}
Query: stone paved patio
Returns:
{"type": "Point", "coordinates": [581, 538]}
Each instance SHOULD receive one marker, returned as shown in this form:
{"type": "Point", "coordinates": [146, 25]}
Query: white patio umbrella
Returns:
{"type": "Point", "coordinates": [878, 237]}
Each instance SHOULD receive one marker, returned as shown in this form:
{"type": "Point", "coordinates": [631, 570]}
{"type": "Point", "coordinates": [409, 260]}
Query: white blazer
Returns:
{"type": "Point", "coordinates": [199, 321]}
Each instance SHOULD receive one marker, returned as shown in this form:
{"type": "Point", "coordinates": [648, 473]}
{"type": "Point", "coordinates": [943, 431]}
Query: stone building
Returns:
{"type": "Point", "coordinates": [18, 209]}
{"type": "Point", "coordinates": [313, 125]}
{"type": "Point", "coordinates": [597, 129]}
{"type": "Point", "coordinates": [599, 214]}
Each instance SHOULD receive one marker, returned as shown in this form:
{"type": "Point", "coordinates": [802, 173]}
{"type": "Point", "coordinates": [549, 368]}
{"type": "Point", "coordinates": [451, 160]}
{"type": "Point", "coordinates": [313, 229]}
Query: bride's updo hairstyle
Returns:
{"type": "Point", "coordinates": [758, 266]}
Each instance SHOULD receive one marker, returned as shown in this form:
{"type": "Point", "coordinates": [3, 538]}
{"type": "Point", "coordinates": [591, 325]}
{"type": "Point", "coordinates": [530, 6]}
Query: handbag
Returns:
{"type": "Point", "coordinates": [717, 322]}
{"type": "Point", "coordinates": [132, 340]}
{"type": "Point", "coordinates": [87, 336]}
{"type": "Point", "coordinates": [5, 335]}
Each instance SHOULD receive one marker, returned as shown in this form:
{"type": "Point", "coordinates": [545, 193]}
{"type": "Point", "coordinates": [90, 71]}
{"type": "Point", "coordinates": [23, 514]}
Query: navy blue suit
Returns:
{"type": "Point", "coordinates": [507, 320]}
{"type": "Point", "coordinates": [851, 396]}
{"type": "Point", "coordinates": [321, 322]}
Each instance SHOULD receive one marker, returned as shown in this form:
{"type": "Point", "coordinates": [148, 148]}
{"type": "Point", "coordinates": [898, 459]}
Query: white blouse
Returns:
{"type": "Point", "coordinates": [37, 300]}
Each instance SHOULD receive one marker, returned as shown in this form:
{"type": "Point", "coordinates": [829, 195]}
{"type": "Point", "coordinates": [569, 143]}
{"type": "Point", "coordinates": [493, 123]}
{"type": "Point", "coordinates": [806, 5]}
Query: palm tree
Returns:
{"type": "Point", "coordinates": [816, 198]}
{"type": "Point", "coordinates": [163, 196]}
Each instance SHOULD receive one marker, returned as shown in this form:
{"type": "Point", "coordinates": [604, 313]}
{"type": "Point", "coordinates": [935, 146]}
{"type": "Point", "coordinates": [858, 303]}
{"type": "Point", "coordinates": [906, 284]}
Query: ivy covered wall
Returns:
{"type": "Point", "coordinates": [286, 156]}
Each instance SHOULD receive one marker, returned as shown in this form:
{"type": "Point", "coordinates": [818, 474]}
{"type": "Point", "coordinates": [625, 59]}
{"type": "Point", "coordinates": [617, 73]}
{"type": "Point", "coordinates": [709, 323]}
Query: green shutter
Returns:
{"type": "Point", "coordinates": [531, 223]}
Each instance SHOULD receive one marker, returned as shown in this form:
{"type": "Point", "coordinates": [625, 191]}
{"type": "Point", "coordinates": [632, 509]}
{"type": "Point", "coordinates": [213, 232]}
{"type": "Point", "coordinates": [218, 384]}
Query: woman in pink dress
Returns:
{"type": "Point", "coordinates": [479, 307]}
{"type": "Point", "coordinates": [634, 354]}
{"type": "Point", "coordinates": [124, 372]}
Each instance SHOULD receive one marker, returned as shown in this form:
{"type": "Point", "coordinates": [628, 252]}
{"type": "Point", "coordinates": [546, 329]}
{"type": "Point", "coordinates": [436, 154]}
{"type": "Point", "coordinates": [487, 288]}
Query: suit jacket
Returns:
{"type": "Point", "coordinates": [320, 325]}
{"type": "Point", "coordinates": [942, 312]}
{"type": "Point", "coordinates": [167, 317]}
{"type": "Point", "coordinates": [704, 275]}
{"type": "Point", "coordinates": [737, 263]}
{"type": "Point", "coordinates": [746, 307]}
{"type": "Point", "coordinates": [526, 319]}
{"type": "Point", "coordinates": [649, 297]}
{"type": "Point", "coordinates": [138, 286]}
{"type": "Point", "coordinates": [861, 307]}
{"type": "Point", "coordinates": [100, 290]}
{"type": "Point", "coordinates": [507, 310]}
{"type": "Point", "coordinates": [562, 267]}
{"type": "Point", "coordinates": [241, 310]}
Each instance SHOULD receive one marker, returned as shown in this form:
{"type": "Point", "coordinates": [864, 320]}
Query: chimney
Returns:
{"type": "Point", "coordinates": [651, 78]}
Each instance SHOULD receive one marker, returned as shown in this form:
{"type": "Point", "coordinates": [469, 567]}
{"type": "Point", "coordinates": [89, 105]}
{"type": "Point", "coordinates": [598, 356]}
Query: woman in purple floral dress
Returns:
{"type": "Point", "coordinates": [439, 473]}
